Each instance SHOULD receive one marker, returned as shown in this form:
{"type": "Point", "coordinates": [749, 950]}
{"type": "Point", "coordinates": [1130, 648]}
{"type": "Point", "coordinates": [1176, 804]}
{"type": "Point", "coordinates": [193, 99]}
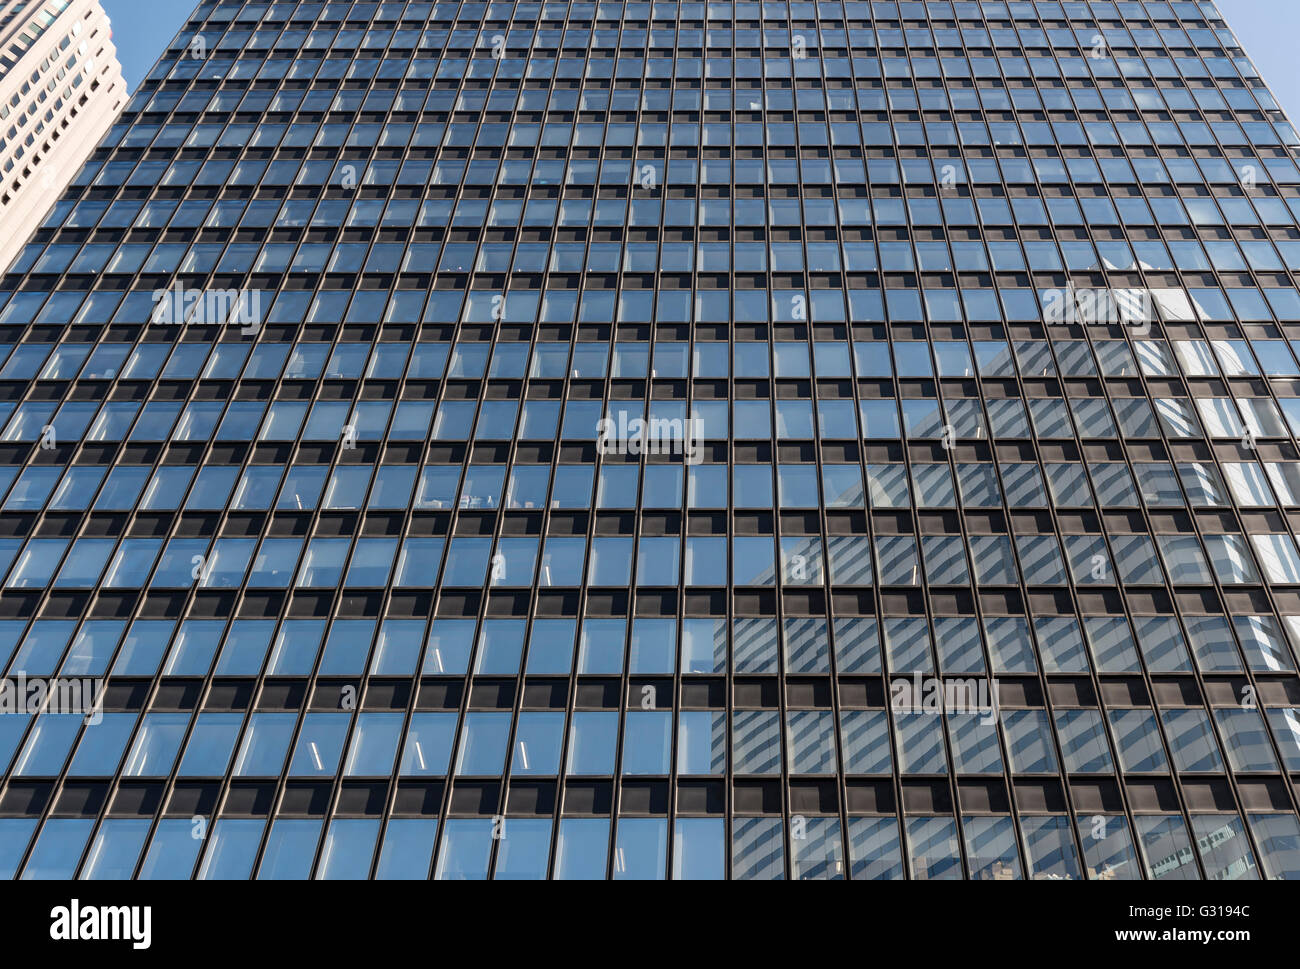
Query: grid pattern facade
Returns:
{"type": "Point", "coordinates": [985, 314]}
{"type": "Point", "coordinates": [61, 88]}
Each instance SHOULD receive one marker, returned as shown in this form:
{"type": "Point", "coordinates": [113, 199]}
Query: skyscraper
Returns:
{"type": "Point", "coordinates": [60, 89]}
{"type": "Point", "coordinates": [648, 440]}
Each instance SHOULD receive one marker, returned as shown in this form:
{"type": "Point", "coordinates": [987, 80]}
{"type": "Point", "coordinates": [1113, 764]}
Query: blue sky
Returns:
{"type": "Point", "coordinates": [1267, 29]}
{"type": "Point", "coordinates": [142, 29]}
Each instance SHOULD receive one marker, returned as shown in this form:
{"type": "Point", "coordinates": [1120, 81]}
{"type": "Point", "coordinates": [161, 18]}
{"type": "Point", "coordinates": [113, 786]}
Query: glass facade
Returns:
{"type": "Point", "coordinates": [663, 440]}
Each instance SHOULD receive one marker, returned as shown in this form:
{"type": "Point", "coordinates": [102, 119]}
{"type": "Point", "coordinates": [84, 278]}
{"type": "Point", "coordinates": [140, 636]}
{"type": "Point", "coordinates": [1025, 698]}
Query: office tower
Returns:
{"type": "Point", "coordinates": [61, 88]}
{"type": "Point", "coordinates": [646, 440]}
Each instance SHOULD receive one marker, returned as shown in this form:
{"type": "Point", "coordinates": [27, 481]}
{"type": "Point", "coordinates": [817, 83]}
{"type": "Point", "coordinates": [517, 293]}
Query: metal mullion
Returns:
{"type": "Point", "coordinates": [927, 595]}
{"type": "Point", "coordinates": [728, 672]}
{"type": "Point", "coordinates": [1105, 537]}
{"type": "Point", "coordinates": [1265, 584]}
{"type": "Point", "coordinates": [978, 617]}
{"type": "Point", "coordinates": [169, 781]}
{"type": "Point", "coordinates": [906, 465]}
{"type": "Point", "coordinates": [467, 678]}
{"type": "Point", "coordinates": [950, 461]}
{"type": "Point", "coordinates": [869, 536]}
{"type": "Point", "coordinates": [1004, 747]}
{"type": "Point", "coordinates": [1095, 674]}
{"type": "Point", "coordinates": [625, 678]}
{"type": "Point", "coordinates": [1073, 592]}
{"type": "Point", "coordinates": [822, 538]}
{"type": "Point", "coordinates": [1048, 703]}
{"type": "Point", "coordinates": [310, 680]}
{"type": "Point", "coordinates": [561, 781]}
{"type": "Point", "coordinates": [728, 607]}
{"type": "Point", "coordinates": [223, 785]}
{"type": "Point", "coordinates": [570, 705]}
{"type": "Point", "coordinates": [1176, 777]}
{"type": "Point", "coordinates": [435, 591]}
{"type": "Point", "coordinates": [674, 735]}
{"type": "Point", "coordinates": [364, 678]}
{"type": "Point", "coordinates": [1022, 587]}
{"type": "Point", "coordinates": [909, 84]}
{"type": "Point", "coordinates": [778, 586]}
{"type": "Point", "coordinates": [190, 595]}
{"type": "Point", "coordinates": [1143, 510]}
{"type": "Point", "coordinates": [1141, 376]}
{"type": "Point", "coordinates": [530, 616]}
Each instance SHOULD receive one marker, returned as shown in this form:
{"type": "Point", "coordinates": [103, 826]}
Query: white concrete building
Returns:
{"type": "Point", "coordinates": [61, 87]}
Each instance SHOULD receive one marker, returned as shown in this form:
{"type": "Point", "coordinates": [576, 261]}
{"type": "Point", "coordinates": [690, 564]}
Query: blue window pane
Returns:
{"type": "Point", "coordinates": [290, 849]}
{"type": "Point", "coordinates": [231, 850]}
{"type": "Point", "coordinates": [48, 745]}
{"type": "Point", "coordinates": [349, 849]}
{"type": "Point", "coordinates": [524, 850]}
{"type": "Point", "coordinates": [641, 849]}
{"type": "Point", "coordinates": [116, 849]}
{"type": "Point", "coordinates": [699, 849]}
{"type": "Point", "coordinates": [465, 850]}
{"type": "Point", "coordinates": [156, 744]}
{"type": "Point", "coordinates": [483, 744]}
{"type": "Point", "coordinates": [15, 833]}
{"type": "Point", "coordinates": [374, 745]}
{"type": "Point", "coordinates": [173, 850]}
{"type": "Point", "coordinates": [101, 746]}
{"type": "Point", "coordinates": [427, 748]}
{"type": "Point", "coordinates": [58, 849]}
{"type": "Point", "coordinates": [582, 848]}
{"type": "Point", "coordinates": [211, 745]}
{"type": "Point", "coordinates": [265, 744]}
{"type": "Point", "coordinates": [407, 849]}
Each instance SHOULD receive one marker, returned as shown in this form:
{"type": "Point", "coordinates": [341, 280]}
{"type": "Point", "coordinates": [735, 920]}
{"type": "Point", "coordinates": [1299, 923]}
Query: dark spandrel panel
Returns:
{"type": "Point", "coordinates": [673, 440]}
